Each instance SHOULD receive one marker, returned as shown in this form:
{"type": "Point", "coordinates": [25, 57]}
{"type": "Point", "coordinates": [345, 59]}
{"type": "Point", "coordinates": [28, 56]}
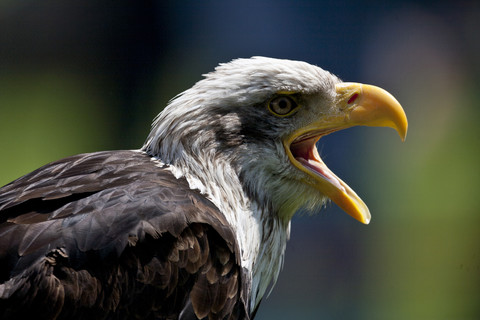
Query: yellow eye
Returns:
{"type": "Point", "coordinates": [282, 105]}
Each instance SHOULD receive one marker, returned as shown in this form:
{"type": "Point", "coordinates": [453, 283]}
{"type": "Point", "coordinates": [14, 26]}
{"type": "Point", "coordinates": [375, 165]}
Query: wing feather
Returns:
{"type": "Point", "coordinates": [114, 234]}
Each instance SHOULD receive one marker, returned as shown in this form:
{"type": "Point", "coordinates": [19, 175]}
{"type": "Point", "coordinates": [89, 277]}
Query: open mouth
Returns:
{"type": "Point", "coordinates": [304, 151]}
{"type": "Point", "coordinates": [303, 154]}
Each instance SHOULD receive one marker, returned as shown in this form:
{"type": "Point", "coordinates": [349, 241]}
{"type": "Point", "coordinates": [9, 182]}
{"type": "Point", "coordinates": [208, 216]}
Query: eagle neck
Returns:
{"type": "Point", "coordinates": [261, 235]}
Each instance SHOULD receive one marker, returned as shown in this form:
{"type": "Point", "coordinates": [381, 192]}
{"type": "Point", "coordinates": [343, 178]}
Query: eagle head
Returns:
{"type": "Point", "coordinates": [255, 123]}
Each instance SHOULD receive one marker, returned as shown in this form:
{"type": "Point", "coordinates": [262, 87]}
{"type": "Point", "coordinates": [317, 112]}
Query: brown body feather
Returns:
{"type": "Point", "coordinates": [113, 235]}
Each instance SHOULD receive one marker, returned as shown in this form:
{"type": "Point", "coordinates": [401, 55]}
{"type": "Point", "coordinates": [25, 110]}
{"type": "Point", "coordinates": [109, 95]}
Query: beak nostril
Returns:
{"type": "Point", "coordinates": [353, 98]}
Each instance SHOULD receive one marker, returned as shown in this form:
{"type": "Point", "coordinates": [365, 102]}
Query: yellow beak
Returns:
{"type": "Point", "coordinates": [372, 106]}
{"type": "Point", "coordinates": [357, 105]}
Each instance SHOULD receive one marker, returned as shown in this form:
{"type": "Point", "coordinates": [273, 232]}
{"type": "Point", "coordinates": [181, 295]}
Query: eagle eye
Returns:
{"type": "Point", "coordinates": [282, 106]}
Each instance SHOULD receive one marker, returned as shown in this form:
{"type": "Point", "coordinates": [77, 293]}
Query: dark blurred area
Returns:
{"type": "Point", "coordinates": [87, 76]}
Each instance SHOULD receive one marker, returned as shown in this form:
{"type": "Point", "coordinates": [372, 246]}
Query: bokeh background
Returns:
{"type": "Point", "coordinates": [83, 76]}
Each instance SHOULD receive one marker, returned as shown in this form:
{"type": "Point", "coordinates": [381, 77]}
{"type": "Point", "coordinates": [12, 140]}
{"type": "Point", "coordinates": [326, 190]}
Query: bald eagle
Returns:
{"type": "Point", "coordinates": [194, 224]}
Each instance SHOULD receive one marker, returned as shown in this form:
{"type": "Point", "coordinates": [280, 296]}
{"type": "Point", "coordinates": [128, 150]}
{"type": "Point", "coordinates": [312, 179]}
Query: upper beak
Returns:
{"type": "Point", "coordinates": [357, 105]}
{"type": "Point", "coordinates": [368, 105]}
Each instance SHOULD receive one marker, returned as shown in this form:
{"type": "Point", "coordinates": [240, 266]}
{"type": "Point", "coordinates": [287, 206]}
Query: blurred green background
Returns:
{"type": "Point", "coordinates": [86, 76]}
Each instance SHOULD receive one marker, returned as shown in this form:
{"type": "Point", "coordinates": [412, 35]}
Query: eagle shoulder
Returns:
{"type": "Point", "coordinates": [115, 234]}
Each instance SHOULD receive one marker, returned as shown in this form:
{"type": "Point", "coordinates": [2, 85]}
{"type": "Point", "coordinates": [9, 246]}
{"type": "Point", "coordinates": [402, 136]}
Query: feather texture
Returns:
{"type": "Point", "coordinates": [112, 235]}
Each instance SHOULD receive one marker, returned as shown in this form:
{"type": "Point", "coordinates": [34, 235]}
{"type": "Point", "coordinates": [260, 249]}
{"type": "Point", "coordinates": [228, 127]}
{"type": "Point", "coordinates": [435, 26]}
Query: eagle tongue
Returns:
{"type": "Point", "coordinates": [322, 170]}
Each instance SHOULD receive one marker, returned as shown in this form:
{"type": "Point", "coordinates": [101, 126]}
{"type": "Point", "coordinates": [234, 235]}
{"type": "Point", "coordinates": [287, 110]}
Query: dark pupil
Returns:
{"type": "Point", "coordinates": [283, 104]}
